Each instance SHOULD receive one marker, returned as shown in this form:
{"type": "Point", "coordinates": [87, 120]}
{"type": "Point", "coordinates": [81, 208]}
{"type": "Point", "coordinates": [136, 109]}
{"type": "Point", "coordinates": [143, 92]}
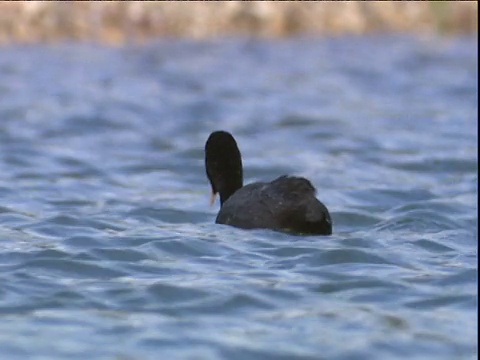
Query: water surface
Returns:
{"type": "Point", "coordinates": [108, 248]}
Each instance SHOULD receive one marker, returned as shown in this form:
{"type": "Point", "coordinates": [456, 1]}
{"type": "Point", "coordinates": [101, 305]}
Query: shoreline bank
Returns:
{"type": "Point", "coordinates": [118, 22]}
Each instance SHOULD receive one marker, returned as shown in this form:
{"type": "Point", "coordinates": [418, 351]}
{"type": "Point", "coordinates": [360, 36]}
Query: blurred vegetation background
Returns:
{"type": "Point", "coordinates": [118, 22]}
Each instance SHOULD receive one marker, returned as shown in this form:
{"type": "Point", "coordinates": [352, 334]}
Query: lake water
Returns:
{"type": "Point", "coordinates": [108, 247]}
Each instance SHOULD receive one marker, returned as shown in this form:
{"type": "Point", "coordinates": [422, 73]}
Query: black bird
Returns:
{"type": "Point", "coordinates": [288, 203]}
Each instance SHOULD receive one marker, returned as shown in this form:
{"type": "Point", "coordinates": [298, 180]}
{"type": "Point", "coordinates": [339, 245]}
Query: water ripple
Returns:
{"type": "Point", "coordinates": [108, 244]}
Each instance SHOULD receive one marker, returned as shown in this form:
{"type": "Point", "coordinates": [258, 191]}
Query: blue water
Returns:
{"type": "Point", "coordinates": [108, 247]}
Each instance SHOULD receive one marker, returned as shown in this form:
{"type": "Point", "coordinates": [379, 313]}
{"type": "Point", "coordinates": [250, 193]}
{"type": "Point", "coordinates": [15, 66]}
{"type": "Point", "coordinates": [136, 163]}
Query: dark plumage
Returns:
{"type": "Point", "coordinates": [288, 203]}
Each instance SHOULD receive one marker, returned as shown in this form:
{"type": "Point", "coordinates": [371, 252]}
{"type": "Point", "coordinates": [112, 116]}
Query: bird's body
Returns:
{"type": "Point", "coordinates": [287, 203]}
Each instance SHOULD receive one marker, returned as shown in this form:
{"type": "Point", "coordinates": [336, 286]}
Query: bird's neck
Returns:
{"type": "Point", "coordinates": [228, 191]}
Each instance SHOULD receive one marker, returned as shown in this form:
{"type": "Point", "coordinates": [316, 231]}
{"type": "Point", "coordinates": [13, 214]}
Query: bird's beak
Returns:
{"type": "Point", "coordinates": [212, 198]}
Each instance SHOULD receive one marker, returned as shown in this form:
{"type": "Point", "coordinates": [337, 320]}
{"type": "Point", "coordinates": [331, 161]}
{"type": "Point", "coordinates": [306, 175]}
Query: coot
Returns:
{"type": "Point", "coordinates": [288, 203]}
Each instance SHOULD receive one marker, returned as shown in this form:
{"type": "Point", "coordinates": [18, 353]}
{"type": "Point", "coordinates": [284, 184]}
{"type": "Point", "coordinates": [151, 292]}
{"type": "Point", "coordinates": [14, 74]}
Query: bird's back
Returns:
{"type": "Point", "coordinates": [288, 203]}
